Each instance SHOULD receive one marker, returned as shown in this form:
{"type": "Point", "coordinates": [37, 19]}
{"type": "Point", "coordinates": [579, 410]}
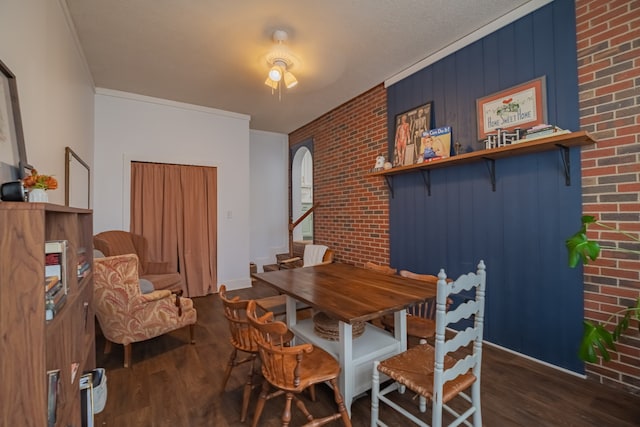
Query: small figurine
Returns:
{"type": "Point", "coordinates": [379, 162]}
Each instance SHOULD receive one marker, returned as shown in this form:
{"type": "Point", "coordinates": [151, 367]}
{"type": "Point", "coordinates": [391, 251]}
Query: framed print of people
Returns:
{"type": "Point", "coordinates": [410, 126]}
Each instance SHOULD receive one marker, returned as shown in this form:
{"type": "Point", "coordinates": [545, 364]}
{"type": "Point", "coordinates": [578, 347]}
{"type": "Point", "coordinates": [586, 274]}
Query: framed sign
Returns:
{"type": "Point", "coordinates": [521, 106]}
{"type": "Point", "coordinates": [410, 127]}
{"type": "Point", "coordinates": [13, 155]}
{"type": "Point", "coordinates": [77, 182]}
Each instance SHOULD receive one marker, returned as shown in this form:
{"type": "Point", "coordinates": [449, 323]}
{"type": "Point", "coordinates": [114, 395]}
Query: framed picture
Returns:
{"type": "Point", "coordinates": [13, 154]}
{"type": "Point", "coordinates": [77, 180]}
{"type": "Point", "coordinates": [410, 126]}
{"type": "Point", "coordinates": [521, 106]}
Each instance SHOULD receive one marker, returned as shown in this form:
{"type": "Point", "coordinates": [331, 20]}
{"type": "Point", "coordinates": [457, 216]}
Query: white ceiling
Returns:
{"type": "Point", "coordinates": [212, 52]}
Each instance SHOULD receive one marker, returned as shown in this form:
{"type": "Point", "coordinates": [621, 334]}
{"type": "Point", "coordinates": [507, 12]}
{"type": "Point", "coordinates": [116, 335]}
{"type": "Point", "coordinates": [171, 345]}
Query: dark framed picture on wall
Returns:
{"type": "Point", "coordinates": [410, 127]}
{"type": "Point", "coordinates": [12, 149]}
{"type": "Point", "coordinates": [521, 106]}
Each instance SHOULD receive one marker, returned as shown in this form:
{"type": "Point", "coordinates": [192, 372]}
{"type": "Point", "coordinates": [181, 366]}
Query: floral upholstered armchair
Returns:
{"type": "Point", "coordinates": [117, 242]}
{"type": "Point", "coordinates": [125, 314]}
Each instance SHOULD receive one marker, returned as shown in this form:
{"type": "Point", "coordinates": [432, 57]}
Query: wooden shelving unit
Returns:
{"type": "Point", "coordinates": [29, 345]}
{"type": "Point", "coordinates": [561, 142]}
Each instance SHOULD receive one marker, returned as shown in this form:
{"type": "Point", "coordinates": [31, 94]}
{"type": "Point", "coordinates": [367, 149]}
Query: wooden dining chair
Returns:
{"type": "Point", "coordinates": [382, 269]}
{"type": "Point", "coordinates": [235, 311]}
{"type": "Point", "coordinates": [421, 324]}
{"type": "Point", "coordinates": [447, 370]}
{"type": "Point", "coordinates": [291, 370]}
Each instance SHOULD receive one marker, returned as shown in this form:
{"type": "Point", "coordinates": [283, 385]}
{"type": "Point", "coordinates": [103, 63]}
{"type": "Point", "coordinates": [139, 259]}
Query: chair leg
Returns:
{"type": "Point", "coordinates": [127, 355]}
{"type": "Point", "coordinates": [475, 399]}
{"type": "Point", "coordinates": [340, 402]}
{"type": "Point", "coordinates": [260, 405]}
{"type": "Point", "coordinates": [248, 386]}
{"type": "Point", "coordinates": [286, 414]}
{"type": "Point", "coordinates": [422, 401]}
{"type": "Point", "coordinates": [375, 390]}
{"type": "Point", "coordinates": [312, 392]}
{"type": "Point", "coordinates": [107, 347]}
{"type": "Point", "coordinates": [230, 365]}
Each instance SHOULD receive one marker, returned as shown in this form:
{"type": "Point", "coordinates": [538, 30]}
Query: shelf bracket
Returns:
{"type": "Point", "coordinates": [389, 180]}
{"type": "Point", "coordinates": [491, 165]}
{"type": "Point", "coordinates": [566, 160]}
{"type": "Point", "coordinates": [426, 177]}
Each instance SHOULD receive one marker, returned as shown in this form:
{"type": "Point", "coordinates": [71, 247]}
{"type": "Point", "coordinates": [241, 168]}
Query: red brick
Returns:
{"type": "Point", "coordinates": [616, 87]}
{"type": "Point", "coordinates": [614, 35]}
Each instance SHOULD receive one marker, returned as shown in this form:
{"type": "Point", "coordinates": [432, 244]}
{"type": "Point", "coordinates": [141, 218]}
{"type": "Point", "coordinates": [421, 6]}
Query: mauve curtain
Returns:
{"type": "Point", "coordinates": [175, 208]}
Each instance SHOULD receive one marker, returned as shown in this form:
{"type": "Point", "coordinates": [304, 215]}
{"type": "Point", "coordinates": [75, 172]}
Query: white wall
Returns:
{"type": "Point", "coordinates": [131, 127]}
{"type": "Point", "coordinates": [269, 194]}
{"type": "Point", "coordinates": [54, 86]}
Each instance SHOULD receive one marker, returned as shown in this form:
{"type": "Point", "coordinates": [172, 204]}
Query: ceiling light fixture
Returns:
{"type": "Point", "coordinates": [279, 61]}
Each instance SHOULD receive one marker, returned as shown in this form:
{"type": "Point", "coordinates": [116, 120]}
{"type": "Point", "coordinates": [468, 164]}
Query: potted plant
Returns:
{"type": "Point", "coordinates": [596, 338]}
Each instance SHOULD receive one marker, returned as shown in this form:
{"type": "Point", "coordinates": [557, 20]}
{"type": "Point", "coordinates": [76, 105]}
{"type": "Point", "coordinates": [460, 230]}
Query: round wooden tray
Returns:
{"type": "Point", "coordinates": [327, 327]}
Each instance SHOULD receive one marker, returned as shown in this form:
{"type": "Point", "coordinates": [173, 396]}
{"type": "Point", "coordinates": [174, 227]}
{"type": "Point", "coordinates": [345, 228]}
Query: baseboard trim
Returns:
{"type": "Point", "coordinates": [533, 359]}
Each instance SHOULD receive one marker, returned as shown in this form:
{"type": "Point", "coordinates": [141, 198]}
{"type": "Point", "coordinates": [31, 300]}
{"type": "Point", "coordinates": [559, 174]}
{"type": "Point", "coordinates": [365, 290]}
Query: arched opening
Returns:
{"type": "Point", "coordinates": [302, 193]}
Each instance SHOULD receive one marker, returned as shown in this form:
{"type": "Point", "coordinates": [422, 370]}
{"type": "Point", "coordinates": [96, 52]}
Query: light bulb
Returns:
{"type": "Point", "coordinates": [275, 73]}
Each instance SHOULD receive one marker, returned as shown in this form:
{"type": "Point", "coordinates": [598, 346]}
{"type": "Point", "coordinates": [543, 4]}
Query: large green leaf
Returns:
{"type": "Point", "coordinates": [580, 248]}
{"type": "Point", "coordinates": [595, 339]}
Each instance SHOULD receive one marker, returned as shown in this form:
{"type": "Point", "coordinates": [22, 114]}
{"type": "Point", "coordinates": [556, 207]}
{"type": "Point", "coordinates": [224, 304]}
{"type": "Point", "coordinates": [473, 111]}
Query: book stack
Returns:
{"type": "Point", "coordinates": [543, 131]}
{"type": "Point", "coordinates": [83, 265]}
{"type": "Point", "coordinates": [55, 280]}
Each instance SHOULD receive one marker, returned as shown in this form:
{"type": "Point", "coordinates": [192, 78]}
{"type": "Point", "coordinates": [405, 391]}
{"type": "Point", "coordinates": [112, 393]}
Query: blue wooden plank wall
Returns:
{"type": "Point", "coordinates": [534, 301]}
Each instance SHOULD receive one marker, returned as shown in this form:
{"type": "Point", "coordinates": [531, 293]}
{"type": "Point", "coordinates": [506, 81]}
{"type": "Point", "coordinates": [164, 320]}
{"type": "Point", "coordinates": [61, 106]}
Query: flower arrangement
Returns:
{"type": "Point", "coordinates": [44, 182]}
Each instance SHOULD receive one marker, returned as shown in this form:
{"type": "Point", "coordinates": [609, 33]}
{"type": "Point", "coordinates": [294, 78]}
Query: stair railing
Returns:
{"type": "Point", "coordinates": [293, 225]}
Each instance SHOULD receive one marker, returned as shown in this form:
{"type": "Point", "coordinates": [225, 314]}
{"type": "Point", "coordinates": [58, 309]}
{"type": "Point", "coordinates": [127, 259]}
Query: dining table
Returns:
{"type": "Point", "coordinates": [350, 295]}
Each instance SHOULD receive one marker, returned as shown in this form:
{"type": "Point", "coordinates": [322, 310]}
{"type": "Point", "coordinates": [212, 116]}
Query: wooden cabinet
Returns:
{"type": "Point", "coordinates": [30, 346]}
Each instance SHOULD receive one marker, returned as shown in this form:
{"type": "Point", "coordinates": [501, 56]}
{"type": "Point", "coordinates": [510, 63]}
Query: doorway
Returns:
{"type": "Point", "coordinates": [302, 192]}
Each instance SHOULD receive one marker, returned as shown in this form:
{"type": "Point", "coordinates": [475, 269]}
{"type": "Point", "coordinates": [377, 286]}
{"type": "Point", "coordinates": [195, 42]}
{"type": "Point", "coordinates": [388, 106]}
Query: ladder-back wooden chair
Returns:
{"type": "Point", "coordinates": [440, 373]}
{"type": "Point", "coordinates": [291, 370]}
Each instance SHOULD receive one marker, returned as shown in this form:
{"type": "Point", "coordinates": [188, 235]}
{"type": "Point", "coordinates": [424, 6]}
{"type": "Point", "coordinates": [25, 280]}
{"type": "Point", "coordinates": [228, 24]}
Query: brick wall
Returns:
{"type": "Point", "coordinates": [608, 37]}
{"type": "Point", "coordinates": [353, 216]}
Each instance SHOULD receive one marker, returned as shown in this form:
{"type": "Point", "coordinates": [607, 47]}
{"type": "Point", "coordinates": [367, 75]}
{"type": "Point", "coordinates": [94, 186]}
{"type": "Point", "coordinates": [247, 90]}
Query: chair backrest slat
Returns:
{"type": "Point", "coordinates": [462, 339]}
{"type": "Point", "coordinates": [462, 366]}
{"type": "Point", "coordinates": [464, 311]}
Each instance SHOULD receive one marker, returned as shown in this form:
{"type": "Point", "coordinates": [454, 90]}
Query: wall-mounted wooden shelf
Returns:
{"type": "Point", "coordinates": [561, 142]}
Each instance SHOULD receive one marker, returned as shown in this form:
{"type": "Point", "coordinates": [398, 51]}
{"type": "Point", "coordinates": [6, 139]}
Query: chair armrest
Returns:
{"type": "Point", "coordinates": [155, 295]}
{"type": "Point", "coordinates": [154, 267]}
{"type": "Point", "coordinates": [287, 261]}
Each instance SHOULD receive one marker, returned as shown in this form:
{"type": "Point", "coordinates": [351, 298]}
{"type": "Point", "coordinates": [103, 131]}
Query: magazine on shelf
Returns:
{"type": "Point", "coordinates": [55, 280]}
{"type": "Point", "coordinates": [52, 396]}
{"type": "Point", "coordinates": [436, 144]}
{"type": "Point", "coordinates": [83, 265]}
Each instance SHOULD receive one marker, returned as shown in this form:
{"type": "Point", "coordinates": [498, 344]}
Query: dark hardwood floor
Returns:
{"type": "Point", "coordinates": [172, 384]}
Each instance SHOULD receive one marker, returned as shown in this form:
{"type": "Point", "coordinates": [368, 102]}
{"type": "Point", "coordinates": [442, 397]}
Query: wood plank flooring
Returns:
{"type": "Point", "coordinates": [173, 384]}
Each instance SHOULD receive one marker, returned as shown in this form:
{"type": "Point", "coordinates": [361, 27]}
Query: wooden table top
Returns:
{"type": "Point", "coordinates": [346, 292]}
